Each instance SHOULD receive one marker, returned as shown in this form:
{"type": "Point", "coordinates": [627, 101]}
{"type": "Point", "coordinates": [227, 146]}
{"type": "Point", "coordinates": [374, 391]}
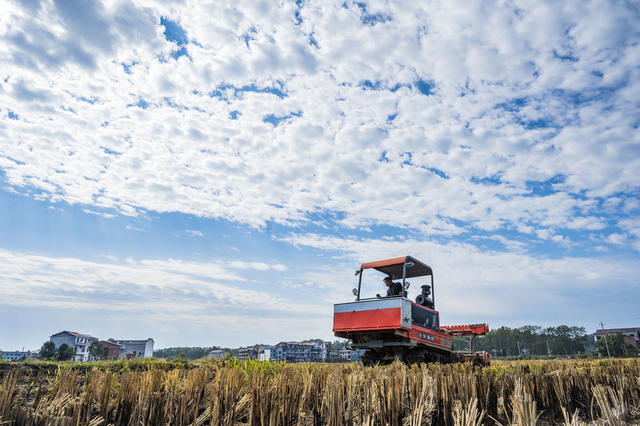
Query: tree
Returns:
{"type": "Point", "coordinates": [65, 352]}
{"type": "Point", "coordinates": [48, 350]}
{"type": "Point", "coordinates": [533, 340]}
{"type": "Point", "coordinates": [181, 357]}
{"type": "Point", "coordinates": [96, 350]}
{"type": "Point", "coordinates": [189, 352]}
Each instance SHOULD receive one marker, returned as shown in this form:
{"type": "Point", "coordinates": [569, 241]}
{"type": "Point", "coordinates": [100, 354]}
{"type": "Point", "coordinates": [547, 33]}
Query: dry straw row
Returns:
{"type": "Point", "coordinates": [254, 393]}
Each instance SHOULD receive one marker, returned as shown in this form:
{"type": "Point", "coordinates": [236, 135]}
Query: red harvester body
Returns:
{"type": "Point", "coordinates": [394, 327]}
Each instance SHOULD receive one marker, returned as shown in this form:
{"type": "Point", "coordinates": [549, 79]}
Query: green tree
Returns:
{"type": "Point", "coordinates": [189, 352]}
{"type": "Point", "coordinates": [533, 340]}
{"type": "Point", "coordinates": [96, 350]}
{"type": "Point", "coordinates": [181, 357]}
{"type": "Point", "coordinates": [47, 350]}
{"type": "Point", "coordinates": [65, 352]}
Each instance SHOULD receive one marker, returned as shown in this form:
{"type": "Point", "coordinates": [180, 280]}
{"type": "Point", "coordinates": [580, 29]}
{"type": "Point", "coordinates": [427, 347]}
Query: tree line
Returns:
{"type": "Point", "coordinates": [533, 340]}
{"type": "Point", "coordinates": [186, 352]}
{"type": "Point", "coordinates": [530, 340]}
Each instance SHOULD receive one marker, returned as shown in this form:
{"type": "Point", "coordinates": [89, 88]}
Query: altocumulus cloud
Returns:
{"type": "Point", "coordinates": [491, 116]}
{"type": "Point", "coordinates": [509, 126]}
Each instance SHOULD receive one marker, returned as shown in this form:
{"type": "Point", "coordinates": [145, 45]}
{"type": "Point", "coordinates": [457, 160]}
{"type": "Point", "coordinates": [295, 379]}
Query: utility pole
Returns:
{"type": "Point", "coordinates": [604, 336]}
{"type": "Point", "coordinates": [546, 339]}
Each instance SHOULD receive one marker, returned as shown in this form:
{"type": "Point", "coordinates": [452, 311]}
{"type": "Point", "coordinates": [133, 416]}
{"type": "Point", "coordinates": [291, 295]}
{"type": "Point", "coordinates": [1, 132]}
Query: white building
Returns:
{"type": "Point", "coordinates": [135, 348]}
{"type": "Point", "coordinates": [79, 342]}
{"type": "Point", "coordinates": [342, 354]}
{"type": "Point", "coordinates": [270, 353]}
{"type": "Point", "coordinates": [303, 351]}
{"type": "Point", "coordinates": [15, 355]}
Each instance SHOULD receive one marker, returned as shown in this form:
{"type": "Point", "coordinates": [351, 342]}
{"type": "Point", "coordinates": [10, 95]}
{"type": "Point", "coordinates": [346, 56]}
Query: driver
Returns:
{"type": "Point", "coordinates": [393, 289]}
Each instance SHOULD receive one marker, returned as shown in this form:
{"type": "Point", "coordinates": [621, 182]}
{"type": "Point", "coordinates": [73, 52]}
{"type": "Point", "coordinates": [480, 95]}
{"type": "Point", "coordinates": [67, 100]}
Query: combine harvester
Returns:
{"type": "Point", "coordinates": [395, 328]}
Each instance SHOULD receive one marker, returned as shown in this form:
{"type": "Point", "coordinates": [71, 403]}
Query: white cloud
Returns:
{"type": "Point", "coordinates": [259, 266]}
{"type": "Point", "coordinates": [194, 233]}
{"type": "Point", "coordinates": [157, 291]}
{"type": "Point", "coordinates": [564, 75]}
{"type": "Point", "coordinates": [618, 239]}
{"type": "Point", "coordinates": [105, 215]}
{"type": "Point", "coordinates": [483, 285]}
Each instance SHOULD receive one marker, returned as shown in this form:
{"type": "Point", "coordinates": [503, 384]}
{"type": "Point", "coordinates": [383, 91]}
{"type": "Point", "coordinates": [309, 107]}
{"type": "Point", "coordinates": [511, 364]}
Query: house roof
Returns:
{"type": "Point", "coordinates": [600, 332]}
{"type": "Point", "coordinates": [73, 333]}
{"type": "Point", "coordinates": [130, 340]}
{"type": "Point", "coordinates": [110, 344]}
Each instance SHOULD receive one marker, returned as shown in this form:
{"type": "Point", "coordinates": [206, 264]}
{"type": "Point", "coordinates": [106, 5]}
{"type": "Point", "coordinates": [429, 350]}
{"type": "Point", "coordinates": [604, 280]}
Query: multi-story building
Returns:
{"type": "Point", "coordinates": [135, 348]}
{"type": "Point", "coordinates": [216, 353]}
{"type": "Point", "coordinates": [630, 336]}
{"type": "Point", "coordinates": [313, 351]}
{"type": "Point", "coordinates": [270, 353]}
{"type": "Point", "coordinates": [341, 354]}
{"type": "Point", "coordinates": [15, 355]}
{"type": "Point", "coordinates": [79, 342]}
{"type": "Point", "coordinates": [277, 354]}
{"type": "Point", "coordinates": [251, 352]}
{"type": "Point", "coordinates": [303, 351]}
{"type": "Point", "coordinates": [356, 354]}
{"type": "Point", "coordinates": [345, 355]}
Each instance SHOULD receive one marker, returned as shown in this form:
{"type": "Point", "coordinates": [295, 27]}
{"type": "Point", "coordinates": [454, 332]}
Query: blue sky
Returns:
{"type": "Point", "coordinates": [213, 174]}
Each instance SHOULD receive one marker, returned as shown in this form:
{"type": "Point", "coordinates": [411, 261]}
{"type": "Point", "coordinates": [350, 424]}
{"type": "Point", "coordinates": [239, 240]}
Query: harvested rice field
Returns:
{"type": "Point", "coordinates": [570, 392]}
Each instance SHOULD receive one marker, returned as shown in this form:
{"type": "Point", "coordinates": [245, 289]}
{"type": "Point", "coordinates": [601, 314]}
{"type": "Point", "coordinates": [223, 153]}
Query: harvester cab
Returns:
{"type": "Point", "coordinates": [393, 327]}
{"type": "Point", "coordinates": [401, 268]}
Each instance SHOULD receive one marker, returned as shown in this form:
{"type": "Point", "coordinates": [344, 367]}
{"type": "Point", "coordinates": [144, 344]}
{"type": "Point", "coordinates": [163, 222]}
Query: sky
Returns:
{"type": "Point", "coordinates": [213, 173]}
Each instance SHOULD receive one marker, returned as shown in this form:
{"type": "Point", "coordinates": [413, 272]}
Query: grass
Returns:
{"type": "Point", "coordinates": [571, 392]}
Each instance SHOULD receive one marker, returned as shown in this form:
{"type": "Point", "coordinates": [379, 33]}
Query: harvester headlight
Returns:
{"type": "Point", "coordinates": [355, 291]}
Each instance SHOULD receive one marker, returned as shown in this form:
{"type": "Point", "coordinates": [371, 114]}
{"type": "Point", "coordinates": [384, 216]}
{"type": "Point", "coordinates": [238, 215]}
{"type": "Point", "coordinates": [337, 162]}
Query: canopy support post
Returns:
{"type": "Point", "coordinates": [404, 273]}
{"type": "Point", "coordinates": [433, 292]}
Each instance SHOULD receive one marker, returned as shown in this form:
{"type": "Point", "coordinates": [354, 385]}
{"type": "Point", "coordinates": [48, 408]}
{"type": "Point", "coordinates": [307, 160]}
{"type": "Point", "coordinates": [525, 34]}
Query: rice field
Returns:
{"type": "Point", "coordinates": [570, 392]}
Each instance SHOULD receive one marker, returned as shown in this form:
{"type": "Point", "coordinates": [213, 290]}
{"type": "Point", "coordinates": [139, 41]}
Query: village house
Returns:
{"type": "Point", "coordinates": [630, 336]}
{"type": "Point", "coordinates": [271, 353]}
{"type": "Point", "coordinates": [112, 350]}
{"type": "Point", "coordinates": [79, 342]}
{"type": "Point", "coordinates": [303, 351]}
{"type": "Point", "coordinates": [216, 353]}
{"type": "Point", "coordinates": [251, 352]}
{"type": "Point", "coordinates": [135, 348]}
{"type": "Point", "coordinates": [15, 355]}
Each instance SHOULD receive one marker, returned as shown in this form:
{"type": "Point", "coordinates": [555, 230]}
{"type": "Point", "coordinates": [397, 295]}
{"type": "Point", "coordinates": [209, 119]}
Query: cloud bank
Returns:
{"type": "Point", "coordinates": [451, 119]}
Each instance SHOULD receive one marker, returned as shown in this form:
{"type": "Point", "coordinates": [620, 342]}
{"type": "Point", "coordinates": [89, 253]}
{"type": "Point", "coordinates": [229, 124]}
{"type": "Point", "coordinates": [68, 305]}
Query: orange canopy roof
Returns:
{"type": "Point", "coordinates": [393, 267]}
{"type": "Point", "coordinates": [388, 262]}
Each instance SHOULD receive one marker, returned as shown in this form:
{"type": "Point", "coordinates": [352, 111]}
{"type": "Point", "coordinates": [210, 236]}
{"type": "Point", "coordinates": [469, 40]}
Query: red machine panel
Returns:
{"type": "Point", "coordinates": [371, 314]}
{"type": "Point", "coordinates": [362, 320]}
{"type": "Point", "coordinates": [430, 337]}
